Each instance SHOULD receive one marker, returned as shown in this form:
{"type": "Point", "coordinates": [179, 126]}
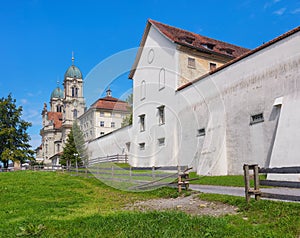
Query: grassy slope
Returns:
{"type": "Point", "coordinates": [69, 206]}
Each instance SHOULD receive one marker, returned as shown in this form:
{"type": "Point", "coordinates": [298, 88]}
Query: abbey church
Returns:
{"type": "Point", "coordinates": [66, 105]}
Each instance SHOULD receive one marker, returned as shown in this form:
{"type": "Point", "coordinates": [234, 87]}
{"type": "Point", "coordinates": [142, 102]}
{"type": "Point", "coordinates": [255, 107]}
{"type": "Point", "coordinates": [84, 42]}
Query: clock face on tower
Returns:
{"type": "Point", "coordinates": [75, 103]}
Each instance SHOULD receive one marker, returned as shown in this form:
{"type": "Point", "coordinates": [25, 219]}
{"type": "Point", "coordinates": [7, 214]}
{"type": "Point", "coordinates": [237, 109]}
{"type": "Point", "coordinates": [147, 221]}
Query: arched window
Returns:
{"type": "Point", "coordinates": [75, 114]}
{"type": "Point", "coordinates": [162, 79]}
{"type": "Point", "coordinates": [75, 91]}
{"type": "Point", "coordinates": [143, 90]}
{"type": "Point", "coordinates": [59, 108]}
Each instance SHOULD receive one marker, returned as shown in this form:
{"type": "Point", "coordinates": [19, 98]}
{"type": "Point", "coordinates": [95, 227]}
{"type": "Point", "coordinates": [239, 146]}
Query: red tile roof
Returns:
{"type": "Point", "coordinates": [111, 103]}
{"type": "Point", "coordinates": [191, 40]}
{"type": "Point", "coordinates": [199, 42]}
{"type": "Point", "coordinates": [56, 117]}
{"type": "Point", "coordinates": [271, 42]}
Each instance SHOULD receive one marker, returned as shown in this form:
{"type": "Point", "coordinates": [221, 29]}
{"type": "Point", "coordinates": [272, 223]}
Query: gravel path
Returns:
{"type": "Point", "coordinates": [190, 204]}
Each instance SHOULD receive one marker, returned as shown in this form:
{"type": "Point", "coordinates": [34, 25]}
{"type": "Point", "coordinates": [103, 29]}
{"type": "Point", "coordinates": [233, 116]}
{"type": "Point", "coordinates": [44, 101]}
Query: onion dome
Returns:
{"type": "Point", "coordinates": [57, 93]}
{"type": "Point", "coordinates": [73, 72]}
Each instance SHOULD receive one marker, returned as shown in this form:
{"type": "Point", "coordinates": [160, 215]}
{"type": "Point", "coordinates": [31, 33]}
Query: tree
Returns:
{"type": "Point", "coordinates": [75, 150]}
{"type": "Point", "coordinates": [127, 120]}
{"type": "Point", "coordinates": [80, 143]}
{"type": "Point", "coordinates": [14, 139]}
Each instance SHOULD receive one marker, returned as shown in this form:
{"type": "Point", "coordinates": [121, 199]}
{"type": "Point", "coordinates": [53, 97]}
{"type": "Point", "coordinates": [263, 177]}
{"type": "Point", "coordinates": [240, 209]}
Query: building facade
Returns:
{"type": "Point", "coordinates": [104, 116]}
{"type": "Point", "coordinates": [210, 105]}
{"type": "Point", "coordinates": [66, 105]}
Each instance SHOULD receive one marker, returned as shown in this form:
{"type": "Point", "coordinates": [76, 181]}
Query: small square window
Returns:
{"type": "Point", "coordinates": [257, 118]}
{"type": "Point", "coordinates": [212, 66]}
{"type": "Point", "coordinates": [201, 132]}
{"type": "Point", "coordinates": [101, 133]}
{"type": "Point", "coordinates": [191, 63]}
{"type": "Point", "coordinates": [142, 146]}
{"type": "Point", "coordinates": [101, 114]}
{"type": "Point", "coordinates": [102, 123]}
{"type": "Point", "coordinates": [161, 141]}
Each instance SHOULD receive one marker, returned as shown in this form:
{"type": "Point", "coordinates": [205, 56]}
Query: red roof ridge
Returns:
{"type": "Point", "coordinates": [190, 40]}
{"type": "Point", "coordinates": [263, 46]}
{"type": "Point", "coordinates": [181, 34]}
{"type": "Point", "coordinates": [110, 103]}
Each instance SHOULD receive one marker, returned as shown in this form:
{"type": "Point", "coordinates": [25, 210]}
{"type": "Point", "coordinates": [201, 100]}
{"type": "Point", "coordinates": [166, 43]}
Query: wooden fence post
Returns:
{"type": "Point", "coordinates": [179, 179]}
{"type": "Point", "coordinates": [256, 182]}
{"type": "Point", "coordinates": [247, 182]}
{"type": "Point", "coordinates": [153, 172]}
{"type": "Point", "coordinates": [130, 172]}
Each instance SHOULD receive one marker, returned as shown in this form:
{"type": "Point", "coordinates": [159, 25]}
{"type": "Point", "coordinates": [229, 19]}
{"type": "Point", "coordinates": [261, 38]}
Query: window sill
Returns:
{"type": "Point", "coordinates": [256, 122]}
{"type": "Point", "coordinates": [191, 67]}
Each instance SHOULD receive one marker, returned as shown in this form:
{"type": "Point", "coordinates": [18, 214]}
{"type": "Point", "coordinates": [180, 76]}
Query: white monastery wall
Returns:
{"type": "Point", "coordinates": [110, 144]}
{"type": "Point", "coordinates": [246, 88]}
{"type": "Point", "coordinates": [222, 104]}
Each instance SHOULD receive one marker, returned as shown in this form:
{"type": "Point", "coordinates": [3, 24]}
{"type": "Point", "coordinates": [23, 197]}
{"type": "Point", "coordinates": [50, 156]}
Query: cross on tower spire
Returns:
{"type": "Point", "coordinates": [73, 58]}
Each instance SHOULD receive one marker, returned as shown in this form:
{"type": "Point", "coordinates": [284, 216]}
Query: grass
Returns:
{"type": "Point", "coordinates": [230, 180]}
{"type": "Point", "coordinates": [49, 204]}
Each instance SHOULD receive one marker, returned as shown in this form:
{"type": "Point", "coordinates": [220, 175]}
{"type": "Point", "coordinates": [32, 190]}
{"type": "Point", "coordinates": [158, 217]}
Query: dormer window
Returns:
{"type": "Point", "coordinates": [208, 46]}
{"type": "Point", "coordinates": [227, 51]}
{"type": "Point", "coordinates": [189, 39]}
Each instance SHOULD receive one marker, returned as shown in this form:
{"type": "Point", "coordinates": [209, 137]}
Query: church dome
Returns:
{"type": "Point", "coordinates": [57, 93]}
{"type": "Point", "coordinates": [73, 72]}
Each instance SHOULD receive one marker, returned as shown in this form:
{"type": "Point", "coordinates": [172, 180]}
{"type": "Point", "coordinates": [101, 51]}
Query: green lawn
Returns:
{"type": "Point", "coordinates": [49, 204]}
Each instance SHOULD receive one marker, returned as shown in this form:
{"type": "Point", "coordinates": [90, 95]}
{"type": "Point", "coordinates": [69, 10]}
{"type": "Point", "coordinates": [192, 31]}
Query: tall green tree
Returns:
{"type": "Point", "coordinates": [75, 149]}
{"type": "Point", "coordinates": [14, 139]}
{"type": "Point", "coordinates": [127, 120]}
{"type": "Point", "coordinates": [80, 143]}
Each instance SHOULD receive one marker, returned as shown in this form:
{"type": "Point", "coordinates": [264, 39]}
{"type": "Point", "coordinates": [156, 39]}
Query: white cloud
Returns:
{"type": "Point", "coordinates": [296, 11]}
{"type": "Point", "coordinates": [24, 101]}
{"type": "Point", "coordinates": [280, 11]}
{"type": "Point", "coordinates": [270, 3]}
{"type": "Point", "coordinates": [35, 140]}
{"type": "Point", "coordinates": [30, 94]}
{"type": "Point", "coordinates": [33, 116]}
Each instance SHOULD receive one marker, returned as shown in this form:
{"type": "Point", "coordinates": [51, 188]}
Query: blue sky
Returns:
{"type": "Point", "coordinates": [38, 37]}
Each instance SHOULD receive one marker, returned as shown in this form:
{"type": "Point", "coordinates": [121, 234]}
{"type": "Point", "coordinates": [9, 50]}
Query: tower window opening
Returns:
{"type": "Point", "coordinates": [75, 114]}
{"type": "Point", "coordinates": [74, 92]}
